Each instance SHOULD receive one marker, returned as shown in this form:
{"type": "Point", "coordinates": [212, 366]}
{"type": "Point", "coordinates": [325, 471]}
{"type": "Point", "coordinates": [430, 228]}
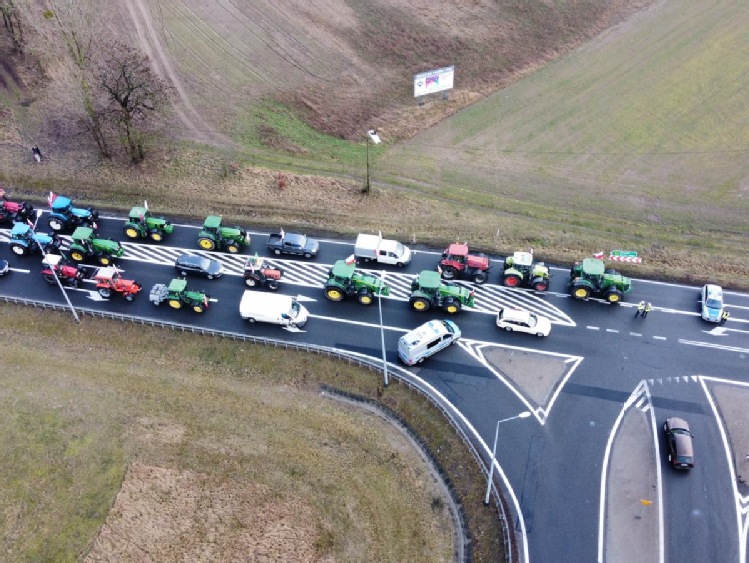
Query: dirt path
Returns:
{"type": "Point", "coordinates": [150, 42]}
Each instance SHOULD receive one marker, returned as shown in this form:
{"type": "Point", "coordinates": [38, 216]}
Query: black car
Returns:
{"type": "Point", "coordinates": [4, 267]}
{"type": "Point", "coordinates": [192, 264]}
{"type": "Point", "coordinates": [679, 439]}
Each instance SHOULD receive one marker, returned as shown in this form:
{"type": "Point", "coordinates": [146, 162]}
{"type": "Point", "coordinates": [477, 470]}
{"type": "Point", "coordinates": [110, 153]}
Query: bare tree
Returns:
{"type": "Point", "coordinates": [72, 27]}
{"type": "Point", "coordinates": [12, 22]}
{"type": "Point", "coordinates": [136, 99]}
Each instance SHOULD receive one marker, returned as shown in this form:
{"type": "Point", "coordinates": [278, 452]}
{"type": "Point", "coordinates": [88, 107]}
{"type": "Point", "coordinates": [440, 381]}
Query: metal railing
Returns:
{"type": "Point", "coordinates": [470, 439]}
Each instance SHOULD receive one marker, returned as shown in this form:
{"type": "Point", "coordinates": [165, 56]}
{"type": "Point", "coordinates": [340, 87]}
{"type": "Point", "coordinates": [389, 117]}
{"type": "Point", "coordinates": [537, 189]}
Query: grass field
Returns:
{"type": "Point", "coordinates": [210, 449]}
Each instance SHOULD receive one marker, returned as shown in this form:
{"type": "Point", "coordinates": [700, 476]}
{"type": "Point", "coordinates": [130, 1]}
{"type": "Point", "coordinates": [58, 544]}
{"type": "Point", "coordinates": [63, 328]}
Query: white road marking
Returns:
{"type": "Point", "coordinates": [20, 270]}
{"type": "Point", "coordinates": [635, 334]}
{"type": "Point", "coordinates": [611, 330]}
{"type": "Point", "coordinates": [659, 338]}
{"type": "Point", "coordinates": [593, 327]}
{"type": "Point", "coordinates": [715, 346]}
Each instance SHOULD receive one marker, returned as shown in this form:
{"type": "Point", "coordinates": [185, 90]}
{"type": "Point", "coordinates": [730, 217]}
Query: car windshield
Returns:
{"type": "Point", "coordinates": [532, 321]}
{"type": "Point", "coordinates": [713, 303]}
{"type": "Point", "coordinates": [685, 459]}
{"type": "Point", "coordinates": [399, 250]}
{"type": "Point", "coordinates": [679, 431]}
{"type": "Point", "coordinates": [294, 309]}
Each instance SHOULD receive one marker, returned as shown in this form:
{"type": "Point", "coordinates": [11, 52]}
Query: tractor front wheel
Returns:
{"type": "Point", "coordinates": [250, 282]}
{"type": "Point", "coordinates": [232, 248]}
{"type": "Point", "coordinates": [105, 260]}
{"type": "Point", "coordinates": [156, 236]}
{"type": "Point", "coordinates": [206, 243]}
{"type": "Point", "coordinates": [614, 296]}
{"type": "Point", "coordinates": [197, 308]}
{"type": "Point", "coordinates": [129, 297]}
{"type": "Point", "coordinates": [175, 303]}
{"type": "Point", "coordinates": [334, 294]}
{"type": "Point", "coordinates": [540, 284]}
{"type": "Point", "coordinates": [448, 273]}
{"type": "Point", "coordinates": [451, 307]}
{"type": "Point", "coordinates": [511, 280]}
{"type": "Point", "coordinates": [581, 292]}
{"type": "Point", "coordinates": [420, 304]}
{"type": "Point", "coordinates": [272, 285]}
{"type": "Point", "coordinates": [105, 292]}
{"type": "Point", "coordinates": [132, 232]}
{"type": "Point", "coordinates": [18, 249]}
{"type": "Point", "coordinates": [365, 297]}
{"type": "Point", "coordinates": [479, 278]}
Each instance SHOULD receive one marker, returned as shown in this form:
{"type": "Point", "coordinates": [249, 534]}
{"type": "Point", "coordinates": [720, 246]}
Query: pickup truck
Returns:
{"type": "Point", "coordinates": [370, 248]}
{"type": "Point", "coordinates": [292, 243]}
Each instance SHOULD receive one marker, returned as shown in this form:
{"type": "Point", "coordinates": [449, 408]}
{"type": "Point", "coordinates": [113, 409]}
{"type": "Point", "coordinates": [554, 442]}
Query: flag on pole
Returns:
{"type": "Point", "coordinates": [52, 197]}
{"type": "Point", "coordinates": [598, 255]}
{"type": "Point", "coordinates": [439, 269]}
{"type": "Point", "coordinates": [145, 204]}
{"type": "Point", "coordinates": [351, 260]}
{"type": "Point", "coordinates": [283, 234]}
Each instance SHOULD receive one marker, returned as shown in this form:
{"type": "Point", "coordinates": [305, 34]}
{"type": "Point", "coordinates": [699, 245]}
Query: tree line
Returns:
{"type": "Point", "coordinates": [101, 86]}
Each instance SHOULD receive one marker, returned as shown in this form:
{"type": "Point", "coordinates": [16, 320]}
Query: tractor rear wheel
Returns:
{"type": "Point", "coordinates": [420, 304]}
{"type": "Point", "coordinates": [272, 285]}
{"type": "Point", "coordinates": [334, 294]}
{"type": "Point", "coordinates": [365, 297]}
{"type": "Point", "coordinates": [18, 249]}
{"type": "Point", "coordinates": [206, 243]}
{"type": "Point", "coordinates": [132, 232]}
{"type": "Point", "coordinates": [540, 284]}
{"type": "Point", "coordinates": [479, 278]}
{"type": "Point", "coordinates": [232, 248]}
{"type": "Point", "coordinates": [448, 273]}
{"type": "Point", "coordinates": [105, 292]}
{"type": "Point", "coordinates": [175, 303]}
{"type": "Point", "coordinates": [156, 236]}
{"type": "Point", "coordinates": [250, 282]}
{"type": "Point", "coordinates": [55, 224]}
{"type": "Point", "coordinates": [613, 296]}
{"type": "Point", "coordinates": [77, 255]}
{"type": "Point", "coordinates": [511, 280]}
{"type": "Point", "coordinates": [580, 291]}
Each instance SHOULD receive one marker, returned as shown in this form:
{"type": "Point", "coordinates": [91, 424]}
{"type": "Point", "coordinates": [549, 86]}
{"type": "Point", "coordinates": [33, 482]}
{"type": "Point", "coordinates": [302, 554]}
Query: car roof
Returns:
{"type": "Point", "coordinates": [518, 315]}
{"type": "Point", "coordinates": [676, 422]}
{"type": "Point", "coordinates": [191, 259]}
{"type": "Point", "coordinates": [713, 291]}
{"type": "Point", "coordinates": [428, 329]}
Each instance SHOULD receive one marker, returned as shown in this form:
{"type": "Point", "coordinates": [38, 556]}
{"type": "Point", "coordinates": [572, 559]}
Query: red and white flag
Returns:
{"type": "Point", "coordinates": [598, 255]}
{"type": "Point", "coordinates": [52, 197]}
{"type": "Point", "coordinates": [351, 260]}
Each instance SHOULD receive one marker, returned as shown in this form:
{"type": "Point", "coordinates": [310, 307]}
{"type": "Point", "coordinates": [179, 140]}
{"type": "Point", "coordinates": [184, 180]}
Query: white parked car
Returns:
{"type": "Point", "coordinates": [711, 297]}
{"type": "Point", "coordinates": [521, 320]}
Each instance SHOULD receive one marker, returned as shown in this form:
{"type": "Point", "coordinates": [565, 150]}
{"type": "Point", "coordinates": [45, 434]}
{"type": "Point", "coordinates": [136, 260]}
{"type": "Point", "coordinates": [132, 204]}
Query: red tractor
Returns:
{"type": "Point", "coordinates": [109, 282]}
{"type": "Point", "coordinates": [57, 267]}
{"type": "Point", "coordinates": [12, 212]}
{"type": "Point", "coordinates": [258, 273]}
{"type": "Point", "coordinates": [457, 262]}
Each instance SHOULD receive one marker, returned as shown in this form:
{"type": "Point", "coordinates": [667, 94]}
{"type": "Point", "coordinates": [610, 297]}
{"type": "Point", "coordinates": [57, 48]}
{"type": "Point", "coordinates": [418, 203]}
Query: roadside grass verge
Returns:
{"type": "Point", "coordinates": [79, 406]}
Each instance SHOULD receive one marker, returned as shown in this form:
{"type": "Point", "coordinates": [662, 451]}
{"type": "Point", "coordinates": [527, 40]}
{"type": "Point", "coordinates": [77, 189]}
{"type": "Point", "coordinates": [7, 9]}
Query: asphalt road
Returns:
{"type": "Point", "coordinates": [597, 354]}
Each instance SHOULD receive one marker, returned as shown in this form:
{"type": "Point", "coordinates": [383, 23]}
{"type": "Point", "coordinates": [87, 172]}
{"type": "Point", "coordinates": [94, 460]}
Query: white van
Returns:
{"type": "Point", "coordinates": [415, 346]}
{"type": "Point", "coordinates": [272, 308]}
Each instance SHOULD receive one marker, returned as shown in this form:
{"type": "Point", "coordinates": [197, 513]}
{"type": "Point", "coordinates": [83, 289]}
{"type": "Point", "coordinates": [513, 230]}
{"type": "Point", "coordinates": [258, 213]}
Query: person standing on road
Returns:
{"type": "Point", "coordinates": [724, 317]}
{"type": "Point", "coordinates": [648, 308]}
{"type": "Point", "coordinates": [640, 309]}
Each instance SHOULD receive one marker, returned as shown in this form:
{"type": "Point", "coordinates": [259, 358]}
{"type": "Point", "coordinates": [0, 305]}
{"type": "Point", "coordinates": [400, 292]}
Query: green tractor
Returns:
{"type": "Point", "coordinates": [178, 294]}
{"type": "Point", "coordinates": [344, 281]}
{"type": "Point", "coordinates": [214, 236]}
{"type": "Point", "coordinates": [590, 277]}
{"type": "Point", "coordinates": [86, 245]}
{"type": "Point", "coordinates": [141, 224]}
{"type": "Point", "coordinates": [428, 291]}
{"type": "Point", "coordinates": [521, 270]}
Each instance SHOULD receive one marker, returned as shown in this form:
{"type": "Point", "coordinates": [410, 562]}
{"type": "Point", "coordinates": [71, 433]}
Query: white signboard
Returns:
{"type": "Point", "coordinates": [433, 81]}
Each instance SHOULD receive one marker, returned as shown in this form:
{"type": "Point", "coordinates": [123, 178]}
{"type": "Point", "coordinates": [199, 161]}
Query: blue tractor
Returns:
{"type": "Point", "coordinates": [66, 217]}
{"type": "Point", "coordinates": [23, 241]}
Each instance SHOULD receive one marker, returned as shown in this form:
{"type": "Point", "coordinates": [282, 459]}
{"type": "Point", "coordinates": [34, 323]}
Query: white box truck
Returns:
{"type": "Point", "coordinates": [373, 248]}
{"type": "Point", "coordinates": [262, 307]}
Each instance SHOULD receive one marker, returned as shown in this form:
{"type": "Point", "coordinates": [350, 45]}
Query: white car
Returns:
{"type": "Point", "coordinates": [711, 298]}
{"type": "Point", "coordinates": [521, 320]}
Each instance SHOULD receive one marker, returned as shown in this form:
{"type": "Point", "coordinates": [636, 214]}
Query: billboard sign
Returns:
{"type": "Point", "coordinates": [433, 81]}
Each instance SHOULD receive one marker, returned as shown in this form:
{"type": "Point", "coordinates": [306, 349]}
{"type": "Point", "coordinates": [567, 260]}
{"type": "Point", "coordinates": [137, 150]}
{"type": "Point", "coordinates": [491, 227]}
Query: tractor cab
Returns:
{"type": "Point", "coordinates": [427, 281]}
{"type": "Point", "coordinates": [593, 270]}
{"type": "Point", "coordinates": [342, 272]}
{"type": "Point", "coordinates": [107, 277]}
{"type": "Point", "coordinates": [457, 253]}
{"type": "Point", "coordinates": [57, 264]}
{"type": "Point", "coordinates": [83, 236]}
{"type": "Point", "coordinates": [212, 224]}
{"type": "Point", "coordinates": [139, 215]}
{"type": "Point", "coordinates": [522, 261]}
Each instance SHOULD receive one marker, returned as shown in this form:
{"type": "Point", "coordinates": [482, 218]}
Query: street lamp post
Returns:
{"type": "Point", "coordinates": [51, 266]}
{"type": "Point", "coordinates": [524, 414]}
{"type": "Point", "coordinates": [382, 329]}
{"type": "Point", "coordinates": [375, 138]}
